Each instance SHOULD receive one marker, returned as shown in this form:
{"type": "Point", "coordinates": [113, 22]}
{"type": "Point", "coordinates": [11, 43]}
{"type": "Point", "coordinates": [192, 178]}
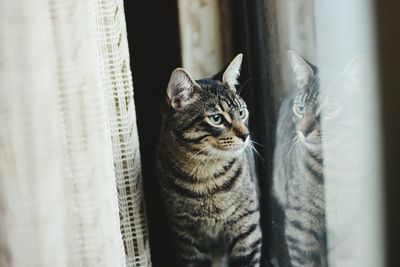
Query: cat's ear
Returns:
{"type": "Point", "coordinates": [303, 71]}
{"type": "Point", "coordinates": [231, 74]}
{"type": "Point", "coordinates": [182, 89]}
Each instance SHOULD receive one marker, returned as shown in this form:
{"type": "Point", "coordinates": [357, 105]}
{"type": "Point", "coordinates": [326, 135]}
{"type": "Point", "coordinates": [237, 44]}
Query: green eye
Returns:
{"type": "Point", "coordinates": [298, 109]}
{"type": "Point", "coordinates": [216, 119]}
{"type": "Point", "coordinates": [242, 113]}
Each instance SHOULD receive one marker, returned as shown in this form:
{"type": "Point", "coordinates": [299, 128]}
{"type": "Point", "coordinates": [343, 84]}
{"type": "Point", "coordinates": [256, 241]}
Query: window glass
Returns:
{"type": "Point", "coordinates": [326, 178]}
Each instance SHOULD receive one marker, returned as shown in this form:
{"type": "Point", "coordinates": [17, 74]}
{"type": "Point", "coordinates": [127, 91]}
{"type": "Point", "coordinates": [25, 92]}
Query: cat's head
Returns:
{"type": "Point", "coordinates": [208, 115]}
{"type": "Point", "coordinates": [309, 107]}
{"type": "Point", "coordinates": [328, 97]}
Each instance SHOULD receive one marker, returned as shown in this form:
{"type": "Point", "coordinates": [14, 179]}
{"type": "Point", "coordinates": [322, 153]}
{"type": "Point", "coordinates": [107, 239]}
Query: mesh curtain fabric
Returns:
{"type": "Point", "coordinates": [70, 176]}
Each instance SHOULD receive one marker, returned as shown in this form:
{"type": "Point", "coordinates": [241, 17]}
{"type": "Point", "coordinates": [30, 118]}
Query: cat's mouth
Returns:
{"type": "Point", "coordinates": [227, 147]}
{"type": "Point", "coordinates": [311, 138]}
{"type": "Point", "coordinates": [230, 145]}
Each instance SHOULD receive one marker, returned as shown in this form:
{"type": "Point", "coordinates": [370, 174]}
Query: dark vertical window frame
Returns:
{"type": "Point", "coordinates": [154, 45]}
{"type": "Point", "coordinates": [258, 30]}
{"type": "Point", "coordinates": [388, 42]}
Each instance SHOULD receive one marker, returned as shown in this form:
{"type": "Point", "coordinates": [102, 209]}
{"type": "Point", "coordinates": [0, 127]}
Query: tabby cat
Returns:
{"type": "Point", "coordinates": [205, 169]}
{"type": "Point", "coordinates": [298, 181]}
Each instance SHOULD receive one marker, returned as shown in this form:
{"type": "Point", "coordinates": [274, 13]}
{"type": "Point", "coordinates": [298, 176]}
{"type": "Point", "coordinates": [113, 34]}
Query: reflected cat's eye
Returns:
{"type": "Point", "coordinates": [298, 110]}
{"type": "Point", "coordinates": [216, 119]}
{"type": "Point", "coordinates": [330, 111]}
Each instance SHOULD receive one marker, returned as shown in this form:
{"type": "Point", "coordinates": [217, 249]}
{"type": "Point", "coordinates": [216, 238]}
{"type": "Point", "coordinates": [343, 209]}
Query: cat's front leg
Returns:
{"type": "Point", "coordinates": [306, 245]}
{"type": "Point", "coordinates": [190, 256]}
{"type": "Point", "coordinates": [245, 246]}
{"type": "Point", "coordinates": [191, 252]}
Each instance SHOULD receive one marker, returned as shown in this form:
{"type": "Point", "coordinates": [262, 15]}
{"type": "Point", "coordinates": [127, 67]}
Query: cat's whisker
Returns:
{"type": "Point", "coordinates": [195, 169]}
{"type": "Point", "coordinates": [203, 163]}
{"type": "Point", "coordinates": [290, 140]}
{"type": "Point", "coordinates": [295, 142]}
{"type": "Point", "coordinates": [333, 146]}
{"type": "Point", "coordinates": [256, 152]}
{"type": "Point", "coordinates": [343, 136]}
{"type": "Point", "coordinates": [243, 86]}
{"type": "Point", "coordinates": [254, 142]}
{"type": "Point", "coordinates": [215, 152]}
{"type": "Point", "coordinates": [198, 152]}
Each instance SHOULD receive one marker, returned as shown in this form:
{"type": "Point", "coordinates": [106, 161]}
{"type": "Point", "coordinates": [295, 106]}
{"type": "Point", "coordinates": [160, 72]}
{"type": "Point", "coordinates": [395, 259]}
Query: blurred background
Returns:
{"type": "Point", "coordinates": [81, 84]}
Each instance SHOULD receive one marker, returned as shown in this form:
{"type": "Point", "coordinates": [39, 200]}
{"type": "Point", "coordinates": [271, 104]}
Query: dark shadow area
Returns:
{"type": "Point", "coordinates": [257, 36]}
{"type": "Point", "coordinates": [155, 51]}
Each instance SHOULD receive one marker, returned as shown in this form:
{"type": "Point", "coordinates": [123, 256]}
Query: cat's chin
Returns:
{"type": "Point", "coordinates": [230, 152]}
{"type": "Point", "coordinates": [312, 141]}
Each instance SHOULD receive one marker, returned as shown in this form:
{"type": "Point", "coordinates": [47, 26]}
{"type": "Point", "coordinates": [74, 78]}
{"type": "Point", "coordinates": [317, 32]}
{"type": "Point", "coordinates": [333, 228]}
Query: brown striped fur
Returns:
{"type": "Point", "coordinates": [205, 172]}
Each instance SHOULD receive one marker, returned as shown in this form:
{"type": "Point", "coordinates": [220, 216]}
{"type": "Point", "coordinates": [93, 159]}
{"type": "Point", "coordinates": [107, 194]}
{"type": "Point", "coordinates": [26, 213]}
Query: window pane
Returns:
{"type": "Point", "coordinates": [345, 37]}
{"type": "Point", "coordinates": [326, 175]}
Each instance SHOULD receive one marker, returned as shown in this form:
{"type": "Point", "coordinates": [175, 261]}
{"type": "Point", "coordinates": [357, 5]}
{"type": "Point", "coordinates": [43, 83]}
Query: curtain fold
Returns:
{"type": "Point", "coordinates": [70, 183]}
{"type": "Point", "coordinates": [117, 80]}
{"type": "Point", "coordinates": [204, 49]}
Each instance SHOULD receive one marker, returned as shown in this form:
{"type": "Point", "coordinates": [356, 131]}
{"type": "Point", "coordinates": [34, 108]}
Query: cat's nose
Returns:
{"type": "Point", "coordinates": [244, 136]}
{"type": "Point", "coordinates": [240, 130]}
{"type": "Point", "coordinates": [305, 131]}
{"type": "Point", "coordinates": [307, 124]}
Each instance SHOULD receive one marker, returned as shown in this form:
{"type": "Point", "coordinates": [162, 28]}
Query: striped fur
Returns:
{"type": "Point", "coordinates": [208, 184]}
{"type": "Point", "coordinates": [298, 181]}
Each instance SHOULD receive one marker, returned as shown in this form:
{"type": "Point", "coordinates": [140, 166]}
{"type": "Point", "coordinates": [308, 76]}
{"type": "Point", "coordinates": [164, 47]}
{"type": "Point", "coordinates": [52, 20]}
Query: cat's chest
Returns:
{"type": "Point", "coordinates": [214, 216]}
{"type": "Point", "coordinates": [214, 208]}
{"type": "Point", "coordinates": [212, 230]}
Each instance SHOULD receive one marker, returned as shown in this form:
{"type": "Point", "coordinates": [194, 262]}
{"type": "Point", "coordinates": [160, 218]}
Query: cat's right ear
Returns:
{"type": "Point", "coordinates": [357, 74]}
{"type": "Point", "coordinates": [303, 71]}
{"type": "Point", "coordinates": [232, 72]}
{"type": "Point", "coordinates": [182, 89]}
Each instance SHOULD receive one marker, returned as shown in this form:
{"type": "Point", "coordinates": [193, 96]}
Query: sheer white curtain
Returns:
{"type": "Point", "coordinates": [70, 183]}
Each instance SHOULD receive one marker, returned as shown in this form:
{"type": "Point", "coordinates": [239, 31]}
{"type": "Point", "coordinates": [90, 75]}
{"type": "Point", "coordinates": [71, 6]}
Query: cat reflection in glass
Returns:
{"type": "Point", "coordinates": [298, 180]}
{"type": "Point", "coordinates": [302, 167]}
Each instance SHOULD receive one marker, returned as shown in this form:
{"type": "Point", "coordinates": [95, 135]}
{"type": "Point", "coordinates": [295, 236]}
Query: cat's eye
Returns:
{"type": "Point", "coordinates": [242, 113]}
{"type": "Point", "coordinates": [298, 109]}
{"type": "Point", "coordinates": [216, 119]}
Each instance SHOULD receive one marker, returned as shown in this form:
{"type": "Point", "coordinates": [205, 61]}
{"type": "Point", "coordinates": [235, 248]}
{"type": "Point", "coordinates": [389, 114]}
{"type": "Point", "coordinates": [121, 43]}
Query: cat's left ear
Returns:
{"type": "Point", "coordinates": [182, 90]}
{"type": "Point", "coordinates": [232, 72]}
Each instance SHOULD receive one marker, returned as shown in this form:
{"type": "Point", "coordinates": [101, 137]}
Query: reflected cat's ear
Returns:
{"type": "Point", "coordinates": [231, 74]}
{"type": "Point", "coordinates": [182, 90]}
{"type": "Point", "coordinates": [357, 74]}
{"type": "Point", "coordinates": [303, 71]}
